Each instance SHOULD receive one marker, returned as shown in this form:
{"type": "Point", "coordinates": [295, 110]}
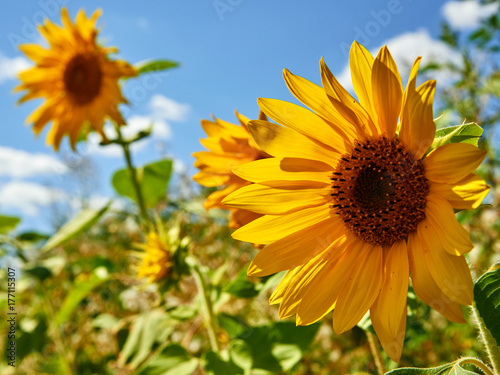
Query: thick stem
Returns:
{"type": "Point", "coordinates": [476, 362]}
{"type": "Point", "coordinates": [488, 341]}
{"type": "Point", "coordinates": [207, 307]}
{"type": "Point", "coordinates": [376, 352]}
{"type": "Point", "coordinates": [133, 176]}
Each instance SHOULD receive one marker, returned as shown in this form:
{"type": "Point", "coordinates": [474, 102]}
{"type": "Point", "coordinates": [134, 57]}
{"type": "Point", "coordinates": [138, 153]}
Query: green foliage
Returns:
{"type": "Point", "coordinates": [150, 66]}
{"type": "Point", "coordinates": [215, 365]}
{"type": "Point", "coordinates": [8, 223]}
{"type": "Point", "coordinates": [153, 179]}
{"type": "Point", "coordinates": [172, 360]}
{"type": "Point", "coordinates": [465, 133]}
{"type": "Point", "coordinates": [80, 223]}
{"type": "Point", "coordinates": [454, 368]}
{"type": "Point", "coordinates": [487, 300]}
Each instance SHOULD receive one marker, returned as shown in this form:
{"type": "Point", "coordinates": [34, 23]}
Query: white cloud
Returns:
{"type": "Point", "coordinates": [162, 110]}
{"type": "Point", "coordinates": [405, 48]}
{"type": "Point", "coordinates": [21, 164]}
{"type": "Point", "coordinates": [9, 67]}
{"type": "Point", "coordinates": [168, 109]}
{"type": "Point", "coordinates": [467, 14]}
{"type": "Point", "coordinates": [28, 197]}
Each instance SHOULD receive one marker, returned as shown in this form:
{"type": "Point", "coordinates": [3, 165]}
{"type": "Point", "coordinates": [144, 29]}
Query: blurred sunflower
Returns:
{"type": "Point", "coordinates": [352, 207]}
{"type": "Point", "coordinates": [76, 77]}
{"type": "Point", "coordinates": [156, 260]}
{"type": "Point", "coordinates": [229, 145]}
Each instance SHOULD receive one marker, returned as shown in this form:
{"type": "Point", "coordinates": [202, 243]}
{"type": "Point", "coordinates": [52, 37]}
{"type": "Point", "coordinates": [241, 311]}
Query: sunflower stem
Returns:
{"type": "Point", "coordinates": [133, 175]}
{"type": "Point", "coordinates": [207, 307]}
{"type": "Point", "coordinates": [376, 352]}
{"type": "Point", "coordinates": [479, 364]}
{"type": "Point", "coordinates": [489, 342]}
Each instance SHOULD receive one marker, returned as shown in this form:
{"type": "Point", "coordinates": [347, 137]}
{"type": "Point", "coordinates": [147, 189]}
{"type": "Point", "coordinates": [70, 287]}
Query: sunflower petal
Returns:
{"type": "Point", "coordinates": [361, 63]}
{"type": "Point", "coordinates": [393, 346]}
{"type": "Point", "coordinates": [452, 162]}
{"type": "Point", "coordinates": [468, 193]}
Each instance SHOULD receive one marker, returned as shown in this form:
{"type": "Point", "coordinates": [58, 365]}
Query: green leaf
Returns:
{"type": "Point", "coordinates": [32, 236]}
{"type": "Point", "coordinates": [454, 368]}
{"type": "Point", "coordinates": [215, 365]}
{"type": "Point", "coordinates": [241, 287]}
{"type": "Point", "coordinates": [8, 223]}
{"type": "Point", "coordinates": [233, 325]}
{"type": "Point", "coordinates": [150, 66]}
{"type": "Point", "coordinates": [81, 290]}
{"type": "Point", "coordinates": [172, 360]}
{"type": "Point", "coordinates": [465, 133]}
{"type": "Point", "coordinates": [153, 179]}
{"type": "Point", "coordinates": [487, 299]}
{"type": "Point", "coordinates": [80, 223]}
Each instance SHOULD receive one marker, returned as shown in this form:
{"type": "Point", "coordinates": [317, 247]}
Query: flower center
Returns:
{"type": "Point", "coordinates": [380, 190]}
{"type": "Point", "coordinates": [83, 78]}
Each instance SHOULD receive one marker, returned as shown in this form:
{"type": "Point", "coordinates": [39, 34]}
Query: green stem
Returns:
{"type": "Point", "coordinates": [488, 341]}
{"type": "Point", "coordinates": [207, 307]}
{"type": "Point", "coordinates": [376, 352]}
{"type": "Point", "coordinates": [133, 175]}
{"type": "Point", "coordinates": [476, 362]}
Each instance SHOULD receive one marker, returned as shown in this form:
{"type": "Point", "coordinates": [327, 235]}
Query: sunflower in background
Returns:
{"type": "Point", "coordinates": [353, 207]}
{"type": "Point", "coordinates": [77, 79]}
{"type": "Point", "coordinates": [229, 145]}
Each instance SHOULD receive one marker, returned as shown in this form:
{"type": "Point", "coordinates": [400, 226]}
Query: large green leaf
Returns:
{"type": "Point", "coordinates": [173, 360]}
{"type": "Point", "coordinates": [454, 368]}
{"type": "Point", "coordinates": [8, 223]}
{"type": "Point", "coordinates": [81, 290]}
{"type": "Point", "coordinates": [465, 133]}
{"type": "Point", "coordinates": [487, 299]}
{"type": "Point", "coordinates": [80, 223]}
{"type": "Point", "coordinates": [215, 365]}
{"type": "Point", "coordinates": [153, 179]}
{"type": "Point", "coordinates": [150, 66]}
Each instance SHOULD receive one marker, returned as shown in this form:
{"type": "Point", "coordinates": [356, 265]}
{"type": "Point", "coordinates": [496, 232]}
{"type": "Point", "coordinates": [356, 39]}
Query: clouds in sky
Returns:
{"type": "Point", "coordinates": [17, 163]}
{"type": "Point", "coordinates": [28, 197]}
{"type": "Point", "coordinates": [467, 14]}
{"type": "Point", "coordinates": [405, 48]}
{"type": "Point", "coordinates": [9, 67]}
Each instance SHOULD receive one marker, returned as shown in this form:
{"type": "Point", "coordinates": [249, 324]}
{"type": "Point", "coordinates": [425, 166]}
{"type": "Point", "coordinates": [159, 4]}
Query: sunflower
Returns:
{"type": "Point", "coordinates": [229, 145]}
{"type": "Point", "coordinates": [76, 77]}
{"type": "Point", "coordinates": [353, 207]}
{"type": "Point", "coordinates": [156, 260]}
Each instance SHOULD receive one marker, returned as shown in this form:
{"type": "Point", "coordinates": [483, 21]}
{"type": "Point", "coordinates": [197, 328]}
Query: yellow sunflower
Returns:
{"type": "Point", "coordinates": [76, 77]}
{"type": "Point", "coordinates": [229, 145]}
{"type": "Point", "coordinates": [352, 207]}
{"type": "Point", "coordinates": [156, 260]}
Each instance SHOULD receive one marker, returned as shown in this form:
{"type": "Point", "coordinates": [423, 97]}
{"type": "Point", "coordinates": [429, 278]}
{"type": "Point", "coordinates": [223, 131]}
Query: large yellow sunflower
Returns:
{"type": "Point", "coordinates": [229, 145]}
{"type": "Point", "coordinates": [352, 207]}
{"type": "Point", "coordinates": [76, 77]}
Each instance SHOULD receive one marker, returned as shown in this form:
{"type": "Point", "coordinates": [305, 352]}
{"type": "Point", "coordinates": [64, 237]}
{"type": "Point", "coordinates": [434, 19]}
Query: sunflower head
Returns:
{"type": "Point", "coordinates": [75, 77]}
{"type": "Point", "coordinates": [156, 260]}
{"type": "Point", "coordinates": [356, 200]}
{"type": "Point", "coordinates": [229, 145]}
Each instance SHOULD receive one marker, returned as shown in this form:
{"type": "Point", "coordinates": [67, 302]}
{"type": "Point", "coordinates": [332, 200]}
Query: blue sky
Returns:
{"type": "Point", "coordinates": [231, 52]}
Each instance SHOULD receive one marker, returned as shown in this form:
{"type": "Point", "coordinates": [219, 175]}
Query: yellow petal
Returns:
{"type": "Point", "coordinates": [452, 162]}
{"type": "Point", "coordinates": [390, 305]}
{"type": "Point", "coordinates": [305, 122]}
{"type": "Point", "coordinates": [393, 346]}
{"type": "Point", "coordinates": [296, 249]}
{"type": "Point", "coordinates": [417, 123]}
{"type": "Point", "coordinates": [387, 91]}
{"type": "Point", "coordinates": [361, 63]}
{"type": "Point", "coordinates": [214, 200]}
{"type": "Point", "coordinates": [346, 105]}
{"type": "Point", "coordinates": [276, 141]}
{"type": "Point", "coordinates": [270, 228]}
{"type": "Point", "coordinates": [451, 273]}
{"type": "Point", "coordinates": [279, 292]}
{"type": "Point", "coordinates": [453, 236]}
{"type": "Point", "coordinates": [315, 98]}
{"type": "Point", "coordinates": [287, 169]}
{"type": "Point", "coordinates": [360, 289]}
{"type": "Point", "coordinates": [425, 286]}
{"type": "Point", "coordinates": [272, 201]}
{"type": "Point", "coordinates": [465, 194]}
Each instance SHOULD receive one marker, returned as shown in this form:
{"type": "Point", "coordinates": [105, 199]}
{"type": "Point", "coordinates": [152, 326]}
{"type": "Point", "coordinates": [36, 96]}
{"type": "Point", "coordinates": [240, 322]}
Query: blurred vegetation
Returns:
{"type": "Point", "coordinates": [82, 310]}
